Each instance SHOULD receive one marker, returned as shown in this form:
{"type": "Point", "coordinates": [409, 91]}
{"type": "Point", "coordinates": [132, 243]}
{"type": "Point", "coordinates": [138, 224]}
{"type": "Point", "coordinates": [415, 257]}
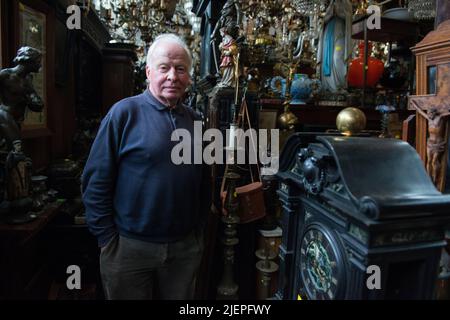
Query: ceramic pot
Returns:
{"type": "Point", "coordinates": [278, 86]}
{"type": "Point", "coordinates": [356, 69]}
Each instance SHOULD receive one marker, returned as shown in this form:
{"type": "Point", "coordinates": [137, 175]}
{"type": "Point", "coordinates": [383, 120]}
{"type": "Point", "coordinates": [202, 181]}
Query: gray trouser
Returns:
{"type": "Point", "coordinates": [130, 269]}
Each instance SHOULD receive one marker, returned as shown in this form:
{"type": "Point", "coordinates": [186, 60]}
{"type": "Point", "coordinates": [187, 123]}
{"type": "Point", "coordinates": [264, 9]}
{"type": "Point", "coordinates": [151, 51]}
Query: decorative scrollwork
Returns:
{"type": "Point", "coordinates": [313, 170]}
{"type": "Point", "coordinates": [369, 207]}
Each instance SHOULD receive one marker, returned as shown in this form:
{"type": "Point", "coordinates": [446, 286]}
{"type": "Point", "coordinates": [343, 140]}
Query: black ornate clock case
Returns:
{"type": "Point", "coordinates": [352, 203]}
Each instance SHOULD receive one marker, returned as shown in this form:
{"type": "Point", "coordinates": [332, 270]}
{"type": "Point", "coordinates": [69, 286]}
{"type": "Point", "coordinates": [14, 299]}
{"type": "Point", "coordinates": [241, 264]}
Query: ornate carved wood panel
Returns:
{"type": "Point", "coordinates": [432, 105]}
{"type": "Point", "coordinates": [435, 109]}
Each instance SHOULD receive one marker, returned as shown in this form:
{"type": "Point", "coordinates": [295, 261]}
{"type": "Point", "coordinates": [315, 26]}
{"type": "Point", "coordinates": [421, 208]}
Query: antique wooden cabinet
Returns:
{"type": "Point", "coordinates": [432, 101]}
{"type": "Point", "coordinates": [117, 73]}
{"type": "Point", "coordinates": [351, 205]}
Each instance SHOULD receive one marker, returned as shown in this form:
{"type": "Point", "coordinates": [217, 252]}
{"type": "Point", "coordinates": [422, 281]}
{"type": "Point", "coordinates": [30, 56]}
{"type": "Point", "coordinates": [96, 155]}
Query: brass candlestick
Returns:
{"type": "Point", "coordinates": [228, 289]}
{"type": "Point", "coordinates": [288, 120]}
{"type": "Point", "coordinates": [266, 268]}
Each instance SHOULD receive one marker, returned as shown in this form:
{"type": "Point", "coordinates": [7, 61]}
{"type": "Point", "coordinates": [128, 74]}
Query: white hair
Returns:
{"type": "Point", "coordinates": [169, 38]}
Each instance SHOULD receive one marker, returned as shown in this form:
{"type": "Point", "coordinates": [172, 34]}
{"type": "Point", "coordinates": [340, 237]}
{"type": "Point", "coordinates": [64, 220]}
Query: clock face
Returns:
{"type": "Point", "coordinates": [320, 264]}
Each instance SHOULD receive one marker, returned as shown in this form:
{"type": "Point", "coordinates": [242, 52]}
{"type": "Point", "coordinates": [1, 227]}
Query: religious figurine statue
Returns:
{"type": "Point", "coordinates": [229, 60]}
{"type": "Point", "coordinates": [16, 95]}
{"type": "Point", "coordinates": [335, 45]}
{"type": "Point", "coordinates": [229, 21]}
{"type": "Point", "coordinates": [229, 15]}
{"type": "Point", "coordinates": [435, 143]}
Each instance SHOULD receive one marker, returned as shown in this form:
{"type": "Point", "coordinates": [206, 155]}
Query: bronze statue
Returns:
{"type": "Point", "coordinates": [16, 95]}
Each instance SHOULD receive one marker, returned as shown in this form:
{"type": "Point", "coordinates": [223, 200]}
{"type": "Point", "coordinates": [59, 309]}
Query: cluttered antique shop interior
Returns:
{"type": "Point", "coordinates": [319, 133]}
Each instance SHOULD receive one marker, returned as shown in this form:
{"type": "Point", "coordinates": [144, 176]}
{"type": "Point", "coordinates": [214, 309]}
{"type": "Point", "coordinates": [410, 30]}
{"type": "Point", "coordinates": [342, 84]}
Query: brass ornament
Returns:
{"type": "Point", "coordinates": [287, 120]}
{"type": "Point", "coordinates": [351, 121]}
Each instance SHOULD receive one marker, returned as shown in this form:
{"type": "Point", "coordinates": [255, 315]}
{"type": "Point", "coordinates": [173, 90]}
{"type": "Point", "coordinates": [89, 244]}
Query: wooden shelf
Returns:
{"type": "Point", "coordinates": [24, 264]}
{"type": "Point", "coordinates": [274, 103]}
{"type": "Point", "coordinates": [391, 30]}
{"type": "Point", "coordinates": [323, 116]}
{"type": "Point", "coordinates": [31, 228]}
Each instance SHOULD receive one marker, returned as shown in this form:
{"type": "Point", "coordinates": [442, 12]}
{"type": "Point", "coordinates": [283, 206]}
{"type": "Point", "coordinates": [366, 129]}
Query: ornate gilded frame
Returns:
{"type": "Point", "coordinates": [33, 32]}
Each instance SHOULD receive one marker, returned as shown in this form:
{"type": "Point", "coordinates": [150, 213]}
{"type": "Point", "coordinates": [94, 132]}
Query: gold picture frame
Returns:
{"type": "Point", "coordinates": [33, 33]}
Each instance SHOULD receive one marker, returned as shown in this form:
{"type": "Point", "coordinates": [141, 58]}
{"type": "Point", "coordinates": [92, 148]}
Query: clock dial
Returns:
{"type": "Point", "coordinates": [320, 264]}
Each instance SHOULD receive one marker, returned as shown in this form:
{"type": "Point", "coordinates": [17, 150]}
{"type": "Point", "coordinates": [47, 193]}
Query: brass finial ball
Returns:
{"type": "Point", "coordinates": [350, 121]}
{"type": "Point", "coordinates": [287, 120]}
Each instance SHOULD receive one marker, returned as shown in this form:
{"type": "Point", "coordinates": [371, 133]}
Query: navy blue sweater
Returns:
{"type": "Point", "coordinates": [130, 185]}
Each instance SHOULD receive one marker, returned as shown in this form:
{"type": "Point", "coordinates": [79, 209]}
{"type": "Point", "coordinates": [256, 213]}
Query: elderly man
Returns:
{"type": "Point", "coordinates": [144, 209]}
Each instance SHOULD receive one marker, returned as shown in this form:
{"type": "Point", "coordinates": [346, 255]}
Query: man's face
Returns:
{"type": "Point", "coordinates": [168, 73]}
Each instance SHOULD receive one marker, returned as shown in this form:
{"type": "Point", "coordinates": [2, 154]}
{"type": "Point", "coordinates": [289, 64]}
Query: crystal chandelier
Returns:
{"type": "Point", "coordinates": [193, 19]}
{"type": "Point", "coordinates": [422, 9]}
{"type": "Point", "coordinates": [309, 7]}
{"type": "Point", "coordinates": [131, 19]}
{"type": "Point", "coordinates": [140, 21]}
{"type": "Point", "coordinates": [267, 21]}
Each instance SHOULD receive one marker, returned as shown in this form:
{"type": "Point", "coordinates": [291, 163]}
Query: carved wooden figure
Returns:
{"type": "Point", "coordinates": [435, 109]}
{"type": "Point", "coordinates": [432, 105]}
